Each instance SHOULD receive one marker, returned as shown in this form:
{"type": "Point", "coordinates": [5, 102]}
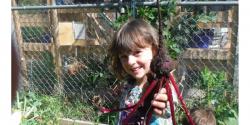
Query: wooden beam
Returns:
{"type": "Point", "coordinates": [37, 46]}
{"type": "Point", "coordinates": [233, 16]}
{"type": "Point", "coordinates": [16, 20]}
{"type": "Point", "coordinates": [210, 54]}
{"type": "Point", "coordinates": [53, 16]}
{"type": "Point", "coordinates": [34, 20]}
{"type": "Point", "coordinates": [198, 59]}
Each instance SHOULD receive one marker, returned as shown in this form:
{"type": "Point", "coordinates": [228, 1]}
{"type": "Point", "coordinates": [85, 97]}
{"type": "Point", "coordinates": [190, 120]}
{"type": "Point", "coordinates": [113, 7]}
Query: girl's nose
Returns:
{"type": "Point", "coordinates": [131, 60]}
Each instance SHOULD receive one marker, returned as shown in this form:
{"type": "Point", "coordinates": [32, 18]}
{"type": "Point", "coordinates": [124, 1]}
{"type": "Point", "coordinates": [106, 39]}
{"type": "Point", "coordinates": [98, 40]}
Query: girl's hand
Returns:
{"type": "Point", "coordinates": [159, 102]}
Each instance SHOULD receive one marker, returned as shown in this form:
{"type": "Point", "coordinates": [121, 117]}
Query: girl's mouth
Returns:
{"type": "Point", "coordinates": [136, 70]}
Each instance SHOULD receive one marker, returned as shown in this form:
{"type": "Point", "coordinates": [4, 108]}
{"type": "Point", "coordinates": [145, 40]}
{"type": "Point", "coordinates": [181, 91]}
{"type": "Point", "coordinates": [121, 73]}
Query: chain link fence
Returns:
{"type": "Point", "coordinates": [63, 47]}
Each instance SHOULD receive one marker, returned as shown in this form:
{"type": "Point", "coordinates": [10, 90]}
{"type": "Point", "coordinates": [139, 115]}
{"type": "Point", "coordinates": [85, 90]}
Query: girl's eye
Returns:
{"type": "Point", "coordinates": [137, 52]}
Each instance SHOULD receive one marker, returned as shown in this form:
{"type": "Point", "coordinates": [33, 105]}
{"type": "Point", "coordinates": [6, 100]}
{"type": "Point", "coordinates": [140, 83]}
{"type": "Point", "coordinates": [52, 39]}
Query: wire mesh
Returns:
{"type": "Point", "coordinates": [64, 53]}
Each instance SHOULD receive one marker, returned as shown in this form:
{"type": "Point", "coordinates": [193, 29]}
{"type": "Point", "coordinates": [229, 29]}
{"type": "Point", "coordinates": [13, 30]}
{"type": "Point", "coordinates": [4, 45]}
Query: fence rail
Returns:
{"type": "Point", "coordinates": [110, 5]}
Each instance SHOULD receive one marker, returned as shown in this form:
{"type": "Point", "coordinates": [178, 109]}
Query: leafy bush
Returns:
{"type": "Point", "coordinates": [37, 109]}
{"type": "Point", "coordinates": [177, 28]}
{"type": "Point", "coordinates": [220, 95]}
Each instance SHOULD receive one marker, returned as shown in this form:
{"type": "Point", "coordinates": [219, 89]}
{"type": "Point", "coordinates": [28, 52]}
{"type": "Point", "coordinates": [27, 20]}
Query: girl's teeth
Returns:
{"type": "Point", "coordinates": [135, 69]}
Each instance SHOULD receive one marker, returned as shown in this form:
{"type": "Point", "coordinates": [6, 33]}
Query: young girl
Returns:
{"type": "Point", "coordinates": [135, 46]}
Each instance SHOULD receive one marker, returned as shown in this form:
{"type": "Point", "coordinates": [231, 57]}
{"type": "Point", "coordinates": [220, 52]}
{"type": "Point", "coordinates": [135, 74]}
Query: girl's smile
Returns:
{"type": "Point", "coordinates": [137, 63]}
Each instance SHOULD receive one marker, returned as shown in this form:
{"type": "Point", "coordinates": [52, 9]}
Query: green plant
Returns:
{"type": "Point", "coordinates": [172, 38]}
{"type": "Point", "coordinates": [110, 118]}
{"type": "Point", "coordinates": [150, 14]}
{"type": "Point", "coordinates": [74, 108]}
{"type": "Point", "coordinates": [232, 120]}
{"type": "Point", "coordinates": [179, 34]}
{"type": "Point", "coordinates": [220, 95]}
{"type": "Point", "coordinates": [37, 109]}
{"type": "Point", "coordinates": [122, 18]}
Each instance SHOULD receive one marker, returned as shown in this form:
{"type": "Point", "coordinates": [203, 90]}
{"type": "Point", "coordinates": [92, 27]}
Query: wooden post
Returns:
{"type": "Point", "coordinates": [17, 25]}
{"type": "Point", "coordinates": [56, 46]}
{"type": "Point", "coordinates": [219, 20]}
{"type": "Point", "coordinates": [233, 34]}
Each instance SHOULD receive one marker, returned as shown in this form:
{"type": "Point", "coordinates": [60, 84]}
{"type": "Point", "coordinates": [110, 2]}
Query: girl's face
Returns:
{"type": "Point", "coordinates": [137, 63]}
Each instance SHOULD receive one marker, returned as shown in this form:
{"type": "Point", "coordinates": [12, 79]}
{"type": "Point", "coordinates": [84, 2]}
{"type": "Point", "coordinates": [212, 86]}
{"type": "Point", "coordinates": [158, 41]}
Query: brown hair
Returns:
{"type": "Point", "coordinates": [135, 33]}
{"type": "Point", "coordinates": [202, 117]}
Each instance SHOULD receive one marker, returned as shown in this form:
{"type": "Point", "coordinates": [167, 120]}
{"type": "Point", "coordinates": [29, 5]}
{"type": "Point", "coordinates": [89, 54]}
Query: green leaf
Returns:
{"type": "Point", "coordinates": [231, 121]}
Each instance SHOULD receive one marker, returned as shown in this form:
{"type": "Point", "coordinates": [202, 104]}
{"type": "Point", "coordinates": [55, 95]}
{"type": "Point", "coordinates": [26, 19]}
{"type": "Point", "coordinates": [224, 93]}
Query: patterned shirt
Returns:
{"type": "Point", "coordinates": [131, 94]}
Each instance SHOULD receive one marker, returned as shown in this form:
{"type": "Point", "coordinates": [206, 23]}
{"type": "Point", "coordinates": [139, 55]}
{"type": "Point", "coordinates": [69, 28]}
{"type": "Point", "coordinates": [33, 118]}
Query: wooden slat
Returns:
{"type": "Point", "coordinates": [17, 25]}
{"type": "Point", "coordinates": [209, 25]}
{"type": "Point", "coordinates": [29, 24]}
{"type": "Point", "coordinates": [211, 54]}
{"type": "Point", "coordinates": [36, 19]}
{"type": "Point", "coordinates": [198, 59]}
{"type": "Point", "coordinates": [200, 64]}
{"type": "Point", "coordinates": [233, 34]}
{"type": "Point", "coordinates": [82, 43]}
{"type": "Point", "coordinates": [53, 17]}
{"type": "Point", "coordinates": [37, 46]}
